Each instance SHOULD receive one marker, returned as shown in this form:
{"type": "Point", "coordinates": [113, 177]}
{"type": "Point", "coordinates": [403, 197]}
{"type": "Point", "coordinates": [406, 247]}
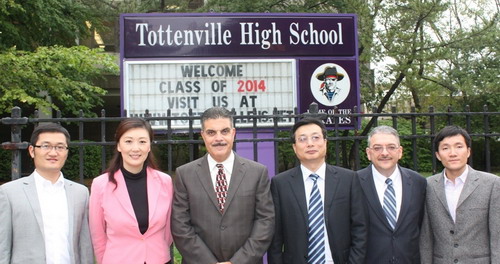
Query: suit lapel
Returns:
{"type": "Point", "coordinates": [331, 185]}
{"type": "Point", "coordinates": [470, 185]}
{"type": "Point", "coordinates": [438, 187]}
{"type": "Point", "coordinates": [154, 186]}
{"type": "Point", "coordinates": [122, 194]}
{"type": "Point", "coordinates": [237, 175]}
{"type": "Point", "coordinates": [368, 185]}
{"type": "Point", "coordinates": [32, 197]}
{"type": "Point", "coordinates": [204, 177]}
{"type": "Point", "coordinates": [407, 186]}
{"type": "Point", "coordinates": [296, 182]}
{"type": "Point", "coordinates": [68, 187]}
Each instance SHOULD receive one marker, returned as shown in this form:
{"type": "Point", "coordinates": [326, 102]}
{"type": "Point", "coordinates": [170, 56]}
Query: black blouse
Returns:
{"type": "Point", "coordinates": [138, 192]}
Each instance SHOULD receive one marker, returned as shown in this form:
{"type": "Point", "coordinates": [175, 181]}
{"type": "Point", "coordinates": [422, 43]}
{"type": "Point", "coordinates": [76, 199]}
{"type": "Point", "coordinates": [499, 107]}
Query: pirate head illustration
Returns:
{"type": "Point", "coordinates": [329, 78]}
{"type": "Point", "coordinates": [330, 84]}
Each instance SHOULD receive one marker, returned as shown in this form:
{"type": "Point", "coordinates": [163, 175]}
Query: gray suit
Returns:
{"type": "Point", "coordinates": [21, 227]}
{"type": "Point", "coordinates": [242, 233]}
{"type": "Point", "coordinates": [475, 236]}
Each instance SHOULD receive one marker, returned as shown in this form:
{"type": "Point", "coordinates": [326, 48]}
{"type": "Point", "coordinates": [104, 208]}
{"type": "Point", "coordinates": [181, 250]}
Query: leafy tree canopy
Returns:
{"type": "Point", "coordinates": [65, 74]}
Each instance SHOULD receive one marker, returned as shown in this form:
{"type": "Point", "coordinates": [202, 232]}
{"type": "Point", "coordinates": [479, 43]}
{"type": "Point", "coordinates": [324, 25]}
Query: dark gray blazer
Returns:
{"type": "Point", "coordinates": [242, 233]}
{"type": "Point", "coordinates": [401, 244]}
{"type": "Point", "coordinates": [21, 227]}
{"type": "Point", "coordinates": [475, 236]}
{"type": "Point", "coordinates": [345, 217]}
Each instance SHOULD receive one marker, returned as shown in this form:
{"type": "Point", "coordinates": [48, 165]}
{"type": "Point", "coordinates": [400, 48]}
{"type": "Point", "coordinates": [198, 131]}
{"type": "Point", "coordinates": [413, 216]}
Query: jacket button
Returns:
{"type": "Point", "coordinates": [455, 245]}
{"type": "Point", "coordinates": [452, 232]}
{"type": "Point", "coordinates": [456, 261]}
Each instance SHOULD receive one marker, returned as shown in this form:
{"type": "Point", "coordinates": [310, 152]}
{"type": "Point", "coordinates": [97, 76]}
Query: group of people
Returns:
{"type": "Point", "coordinates": [223, 208]}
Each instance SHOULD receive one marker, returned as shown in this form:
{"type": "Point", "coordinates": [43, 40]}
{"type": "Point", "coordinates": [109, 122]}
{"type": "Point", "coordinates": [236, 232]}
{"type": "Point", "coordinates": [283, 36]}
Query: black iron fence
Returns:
{"type": "Point", "coordinates": [346, 147]}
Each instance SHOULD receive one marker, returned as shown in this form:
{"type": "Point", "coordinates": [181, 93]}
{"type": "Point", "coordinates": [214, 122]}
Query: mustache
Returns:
{"type": "Point", "coordinates": [220, 144]}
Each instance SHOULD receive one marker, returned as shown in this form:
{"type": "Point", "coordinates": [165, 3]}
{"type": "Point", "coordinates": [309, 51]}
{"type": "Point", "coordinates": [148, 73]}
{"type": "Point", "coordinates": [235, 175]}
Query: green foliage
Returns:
{"type": "Point", "coordinates": [28, 25]}
{"type": "Point", "coordinates": [66, 74]}
{"type": "Point", "coordinates": [91, 161]}
{"type": "Point", "coordinates": [5, 165]}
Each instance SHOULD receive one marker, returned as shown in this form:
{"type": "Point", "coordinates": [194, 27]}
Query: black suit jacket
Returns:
{"type": "Point", "coordinates": [400, 245]}
{"type": "Point", "coordinates": [345, 217]}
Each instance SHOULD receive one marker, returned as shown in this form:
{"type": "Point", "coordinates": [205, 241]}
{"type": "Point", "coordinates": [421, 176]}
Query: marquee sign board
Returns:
{"type": "Point", "coordinates": [200, 84]}
{"type": "Point", "coordinates": [240, 61]}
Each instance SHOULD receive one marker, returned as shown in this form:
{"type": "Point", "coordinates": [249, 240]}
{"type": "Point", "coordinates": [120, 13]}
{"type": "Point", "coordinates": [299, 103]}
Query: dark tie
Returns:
{"type": "Point", "coordinates": [221, 187]}
{"type": "Point", "coordinates": [390, 203]}
{"type": "Point", "coordinates": [316, 232]}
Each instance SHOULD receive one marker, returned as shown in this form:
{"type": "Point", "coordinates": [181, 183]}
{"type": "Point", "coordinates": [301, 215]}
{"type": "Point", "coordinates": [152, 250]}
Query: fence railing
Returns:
{"type": "Point", "coordinates": [346, 147]}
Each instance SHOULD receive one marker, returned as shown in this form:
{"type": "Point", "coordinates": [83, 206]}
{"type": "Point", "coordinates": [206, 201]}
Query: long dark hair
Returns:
{"type": "Point", "coordinates": [116, 161]}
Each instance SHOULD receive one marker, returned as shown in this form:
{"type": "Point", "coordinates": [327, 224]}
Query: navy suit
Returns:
{"type": "Point", "coordinates": [400, 245]}
{"type": "Point", "coordinates": [345, 217]}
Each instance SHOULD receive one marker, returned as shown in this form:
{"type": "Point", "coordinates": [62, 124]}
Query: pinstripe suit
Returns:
{"type": "Point", "coordinates": [475, 236]}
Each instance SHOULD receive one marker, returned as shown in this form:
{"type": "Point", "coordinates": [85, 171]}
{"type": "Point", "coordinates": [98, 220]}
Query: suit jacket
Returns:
{"type": "Point", "coordinates": [345, 217]}
{"type": "Point", "coordinates": [113, 224]}
{"type": "Point", "coordinates": [401, 244]}
{"type": "Point", "coordinates": [475, 236]}
{"type": "Point", "coordinates": [242, 233]}
{"type": "Point", "coordinates": [21, 227]}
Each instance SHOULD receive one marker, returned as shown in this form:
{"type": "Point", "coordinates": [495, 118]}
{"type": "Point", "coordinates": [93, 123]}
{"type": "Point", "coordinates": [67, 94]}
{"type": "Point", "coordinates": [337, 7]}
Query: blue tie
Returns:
{"type": "Point", "coordinates": [316, 232]}
{"type": "Point", "coordinates": [390, 203]}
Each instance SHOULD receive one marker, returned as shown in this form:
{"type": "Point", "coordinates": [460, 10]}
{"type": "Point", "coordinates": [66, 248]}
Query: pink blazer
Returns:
{"type": "Point", "coordinates": [113, 226]}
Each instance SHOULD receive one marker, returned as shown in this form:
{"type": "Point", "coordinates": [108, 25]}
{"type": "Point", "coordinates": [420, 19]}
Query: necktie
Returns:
{"type": "Point", "coordinates": [316, 247]}
{"type": "Point", "coordinates": [390, 203]}
{"type": "Point", "coordinates": [221, 187]}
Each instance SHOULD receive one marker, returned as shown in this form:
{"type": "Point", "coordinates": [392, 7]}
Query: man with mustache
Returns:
{"type": "Point", "coordinates": [394, 231]}
{"type": "Point", "coordinates": [222, 210]}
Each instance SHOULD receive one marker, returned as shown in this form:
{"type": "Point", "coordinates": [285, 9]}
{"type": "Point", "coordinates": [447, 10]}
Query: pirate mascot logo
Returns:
{"type": "Point", "coordinates": [330, 84]}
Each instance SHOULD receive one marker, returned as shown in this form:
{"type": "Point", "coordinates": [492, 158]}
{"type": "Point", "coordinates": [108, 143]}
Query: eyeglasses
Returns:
{"type": "Point", "coordinates": [380, 149]}
{"type": "Point", "coordinates": [305, 139]}
{"type": "Point", "coordinates": [46, 147]}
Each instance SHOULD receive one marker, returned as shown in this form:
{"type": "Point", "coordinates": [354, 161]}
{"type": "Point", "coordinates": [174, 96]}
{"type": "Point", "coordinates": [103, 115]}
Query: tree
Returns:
{"type": "Point", "coordinates": [27, 25]}
{"type": "Point", "coordinates": [64, 74]}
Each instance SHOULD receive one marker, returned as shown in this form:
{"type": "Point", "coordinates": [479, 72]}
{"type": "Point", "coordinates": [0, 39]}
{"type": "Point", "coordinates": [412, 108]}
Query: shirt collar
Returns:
{"type": "Point", "coordinates": [42, 182]}
{"type": "Point", "coordinates": [381, 178]}
{"type": "Point", "coordinates": [228, 163]}
{"type": "Point", "coordinates": [321, 172]}
{"type": "Point", "coordinates": [460, 178]}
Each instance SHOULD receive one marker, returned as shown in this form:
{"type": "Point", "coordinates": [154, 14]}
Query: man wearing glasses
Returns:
{"type": "Point", "coordinates": [395, 197]}
{"type": "Point", "coordinates": [320, 216]}
{"type": "Point", "coordinates": [44, 217]}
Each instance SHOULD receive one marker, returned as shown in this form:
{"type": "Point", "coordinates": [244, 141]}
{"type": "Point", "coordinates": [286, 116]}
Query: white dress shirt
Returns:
{"type": "Point", "coordinates": [453, 191]}
{"type": "Point", "coordinates": [308, 184]}
{"type": "Point", "coordinates": [54, 207]}
{"type": "Point", "coordinates": [381, 186]}
{"type": "Point", "coordinates": [228, 168]}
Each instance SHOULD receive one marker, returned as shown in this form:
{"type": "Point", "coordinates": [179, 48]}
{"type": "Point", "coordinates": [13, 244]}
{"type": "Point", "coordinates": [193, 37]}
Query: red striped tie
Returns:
{"type": "Point", "coordinates": [221, 187]}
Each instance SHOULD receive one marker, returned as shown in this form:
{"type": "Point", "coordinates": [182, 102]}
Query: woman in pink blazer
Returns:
{"type": "Point", "coordinates": [130, 204]}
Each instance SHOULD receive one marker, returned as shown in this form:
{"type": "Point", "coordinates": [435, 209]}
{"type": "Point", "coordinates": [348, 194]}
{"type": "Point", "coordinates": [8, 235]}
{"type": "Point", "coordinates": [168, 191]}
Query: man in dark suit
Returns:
{"type": "Point", "coordinates": [462, 207]}
{"type": "Point", "coordinates": [391, 239]}
{"type": "Point", "coordinates": [44, 217]}
{"type": "Point", "coordinates": [343, 227]}
{"type": "Point", "coordinates": [222, 209]}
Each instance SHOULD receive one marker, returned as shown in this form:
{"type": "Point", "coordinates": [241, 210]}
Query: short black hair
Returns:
{"type": "Point", "coordinates": [48, 128]}
{"type": "Point", "coordinates": [307, 121]}
{"type": "Point", "coordinates": [450, 131]}
{"type": "Point", "coordinates": [215, 113]}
